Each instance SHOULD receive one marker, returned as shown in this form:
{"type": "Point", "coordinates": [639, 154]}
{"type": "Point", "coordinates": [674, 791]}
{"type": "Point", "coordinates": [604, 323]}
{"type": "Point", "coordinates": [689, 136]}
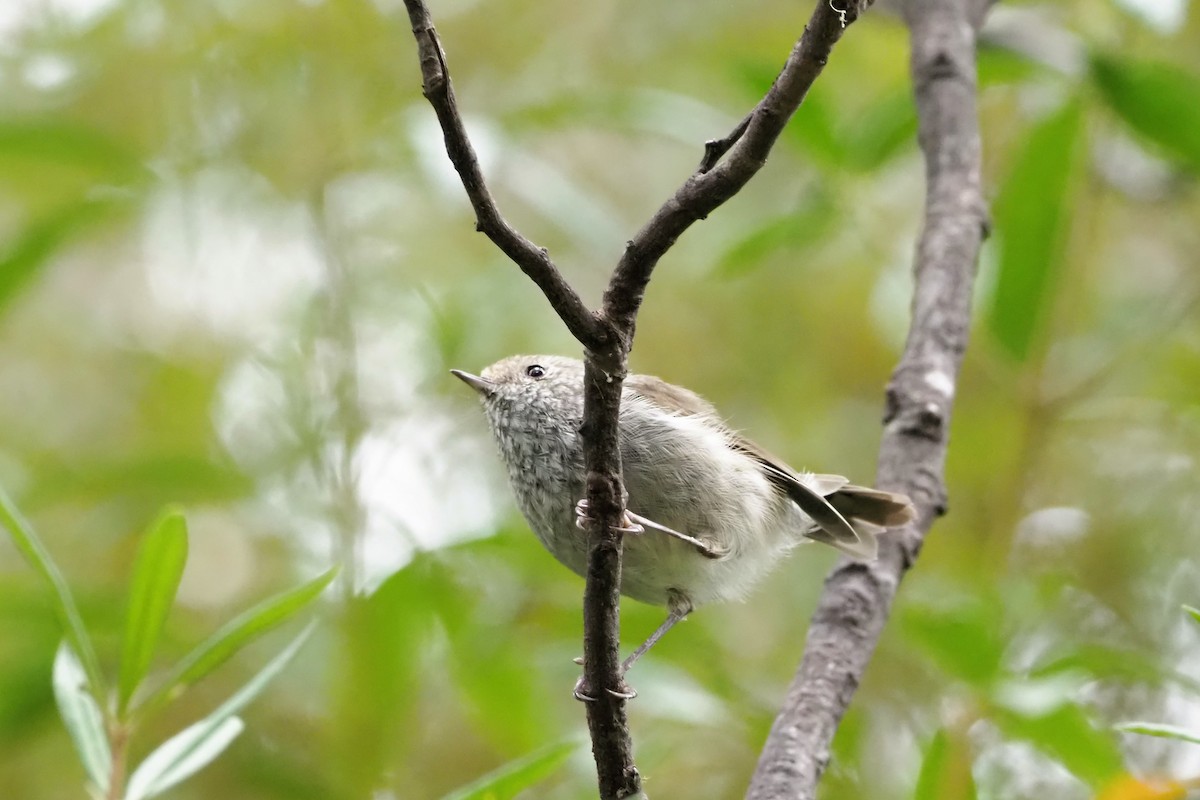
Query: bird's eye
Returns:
{"type": "Point", "coordinates": [535, 370]}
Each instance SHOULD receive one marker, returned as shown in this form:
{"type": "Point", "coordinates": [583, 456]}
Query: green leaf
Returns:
{"type": "Point", "coordinates": [60, 143]}
{"type": "Point", "coordinates": [182, 756]}
{"type": "Point", "coordinates": [43, 145]}
{"type": "Point", "coordinates": [1032, 219]}
{"type": "Point", "coordinates": [30, 249]}
{"type": "Point", "coordinates": [27, 700]}
{"type": "Point", "coordinates": [932, 767]}
{"type": "Point", "coordinates": [197, 745]}
{"type": "Point", "coordinates": [505, 696]}
{"type": "Point", "coordinates": [1001, 66]}
{"type": "Point", "coordinates": [517, 775]}
{"type": "Point", "coordinates": [881, 131]}
{"type": "Point", "coordinates": [82, 717]}
{"type": "Point", "coordinates": [156, 576]}
{"type": "Point", "coordinates": [382, 633]}
{"type": "Point", "coordinates": [1161, 731]}
{"type": "Point", "coordinates": [36, 554]}
{"type": "Point", "coordinates": [860, 141]}
{"type": "Point", "coordinates": [965, 640]}
{"type": "Point", "coordinates": [182, 477]}
{"type": "Point", "coordinates": [803, 227]}
{"type": "Point", "coordinates": [235, 635]}
{"type": "Point", "coordinates": [1159, 101]}
{"type": "Point", "coordinates": [1067, 735]}
{"type": "Point", "coordinates": [945, 770]}
{"type": "Point", "coordinates": [1194, 613]}
{"type": "Point", "coordinates": [815, 129]}
{"type": "Point", "coordinates": [1113, 662]}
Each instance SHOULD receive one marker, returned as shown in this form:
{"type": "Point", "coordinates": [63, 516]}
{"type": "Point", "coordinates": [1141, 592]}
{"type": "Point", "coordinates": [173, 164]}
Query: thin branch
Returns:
{"type": "Point", "coordinates": [534, 261]}
{"type": "Point", "coordinates": [714, 183]}
{"type": "Point", "coordinates": [608, 725]}
{"type": "Point", "coordinates": [857, 597]}
{"type": "Point", "coordinates": [714, 149]}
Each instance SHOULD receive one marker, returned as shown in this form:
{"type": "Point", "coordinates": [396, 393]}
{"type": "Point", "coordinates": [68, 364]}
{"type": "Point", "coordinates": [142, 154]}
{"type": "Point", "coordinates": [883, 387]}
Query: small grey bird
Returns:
{"type": "Point", "coordinates": [711, 511]}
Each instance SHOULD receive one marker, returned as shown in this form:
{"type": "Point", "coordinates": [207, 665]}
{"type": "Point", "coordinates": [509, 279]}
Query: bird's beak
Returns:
{"type": "Point", "coordinates": [481, 385]}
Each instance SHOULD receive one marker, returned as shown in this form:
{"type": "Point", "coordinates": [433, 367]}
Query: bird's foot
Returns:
{"type": "Point", "coordinates": [583, 692]}
{"type": "Point", "coordinates": [637, 524]}
{"type": "Point", "coordinates": [583, 518]}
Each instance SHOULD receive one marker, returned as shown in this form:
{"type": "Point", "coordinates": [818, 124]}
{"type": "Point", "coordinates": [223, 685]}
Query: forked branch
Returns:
{"type": "Point", "coordinates": [607, 335]}
{"type": "Point", "coordinates": [534, 261]}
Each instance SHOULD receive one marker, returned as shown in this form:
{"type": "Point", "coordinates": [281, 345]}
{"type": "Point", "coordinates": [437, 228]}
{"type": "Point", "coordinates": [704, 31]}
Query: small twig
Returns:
{"type": "Point", "coordinates": [118, 745]}
{"type": "Point", "coordinates": [534, 261]}
{"type": "Point", "coordinates": [707, 189]}
{"type": "Point", "coordinates": [857, 597]}
{"type": "Point", "coordinates": [715, 148]}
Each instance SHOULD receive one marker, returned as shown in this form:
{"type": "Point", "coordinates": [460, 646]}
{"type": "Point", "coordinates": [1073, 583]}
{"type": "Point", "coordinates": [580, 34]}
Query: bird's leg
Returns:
{"type": "Point", "coordinates": [705, 549]}
{"type": "Point", "coordinates": [677, 610]}
{"type": "Point", "coordinates": [635, 523]}
{"type": "Point", "coordinates": [678, 607]}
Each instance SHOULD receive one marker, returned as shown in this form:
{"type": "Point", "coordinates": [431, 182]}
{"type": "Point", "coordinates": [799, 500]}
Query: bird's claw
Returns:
{"type": "Point", "coordinates": [580, 692]}
{"type": "Point", "coordinates": [583, 517]}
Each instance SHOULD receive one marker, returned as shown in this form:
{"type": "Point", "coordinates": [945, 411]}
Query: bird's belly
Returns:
{"type": "Point", "coordinates": [746, 525]}
{"type": "Point", "coordinates": [745, 517]}
{"type": "Point", "coordinates": [656, 566]}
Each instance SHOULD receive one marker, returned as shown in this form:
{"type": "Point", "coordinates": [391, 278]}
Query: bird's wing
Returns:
{"type": "Point", "coordinates": [839, 533]}
{"type": "Point", "coordinates": [671, 398]}
{"type": "Point", "coordinates": [835, 530]}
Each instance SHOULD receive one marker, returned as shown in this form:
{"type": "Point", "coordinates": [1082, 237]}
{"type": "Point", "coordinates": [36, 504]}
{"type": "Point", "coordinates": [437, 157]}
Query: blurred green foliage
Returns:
{"type": "Point", "coordinates": [235, 266]}
{"type": "Point", "coordinates": [102, 721]}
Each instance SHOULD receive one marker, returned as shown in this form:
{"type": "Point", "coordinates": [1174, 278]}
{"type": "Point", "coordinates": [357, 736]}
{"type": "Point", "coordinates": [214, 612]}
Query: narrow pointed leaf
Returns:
{"type": "Point", "coordinates": [1161, 731]}
{"type": "Point", "coordinates": [1160, 101]}
{"type": "Point", "coordinates": [31, 249]}
{"type": "Point", "coordinates": [259, 682]}
{"type": "Point", "coordinates": [1194, 613]}
{"type": "Point", "coordinates": [235, 635]}
{"type": "Point", "coordinates": [518, 775]}
{"type": "Point", "coordinates": [35, 553]}
{"type": "Point", "coordinates": [60, 143]}
{"type": "Point", "coordinates": [156, 576]}
{"type": "Point", "coordinates": [181, 756]}
{"type": "Point", "coordinates": [945, 771]}
{"type": "Point", "coordinates": [82, 716]}
{"type": "Point", "coordinates": [197, 745]}
{"type": "Point", "coordinates": [932, 767]}
{"type": "Point", "coordinates": [1033, 216]}
{"type": "Point", "coordinates": [882, 131]}
{"type": "Point", "coordinates": [1069, 736]}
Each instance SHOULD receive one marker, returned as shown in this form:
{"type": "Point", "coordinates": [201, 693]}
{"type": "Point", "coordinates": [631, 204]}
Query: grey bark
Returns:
{"type": "Point", "coordinates": [857, 597]}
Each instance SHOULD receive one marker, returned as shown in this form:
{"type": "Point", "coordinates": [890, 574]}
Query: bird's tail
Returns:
{"type": "Point", "coordinates": [869, 511]}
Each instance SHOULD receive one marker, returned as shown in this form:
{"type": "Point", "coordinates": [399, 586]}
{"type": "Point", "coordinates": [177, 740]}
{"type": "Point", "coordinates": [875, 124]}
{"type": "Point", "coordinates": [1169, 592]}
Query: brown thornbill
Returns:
{"type": "Point", "coordinates": [710, 512]}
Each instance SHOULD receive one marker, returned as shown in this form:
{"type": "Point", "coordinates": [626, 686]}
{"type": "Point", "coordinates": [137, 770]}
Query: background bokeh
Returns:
{"type": "Point", "coordinates": [235, 266]}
